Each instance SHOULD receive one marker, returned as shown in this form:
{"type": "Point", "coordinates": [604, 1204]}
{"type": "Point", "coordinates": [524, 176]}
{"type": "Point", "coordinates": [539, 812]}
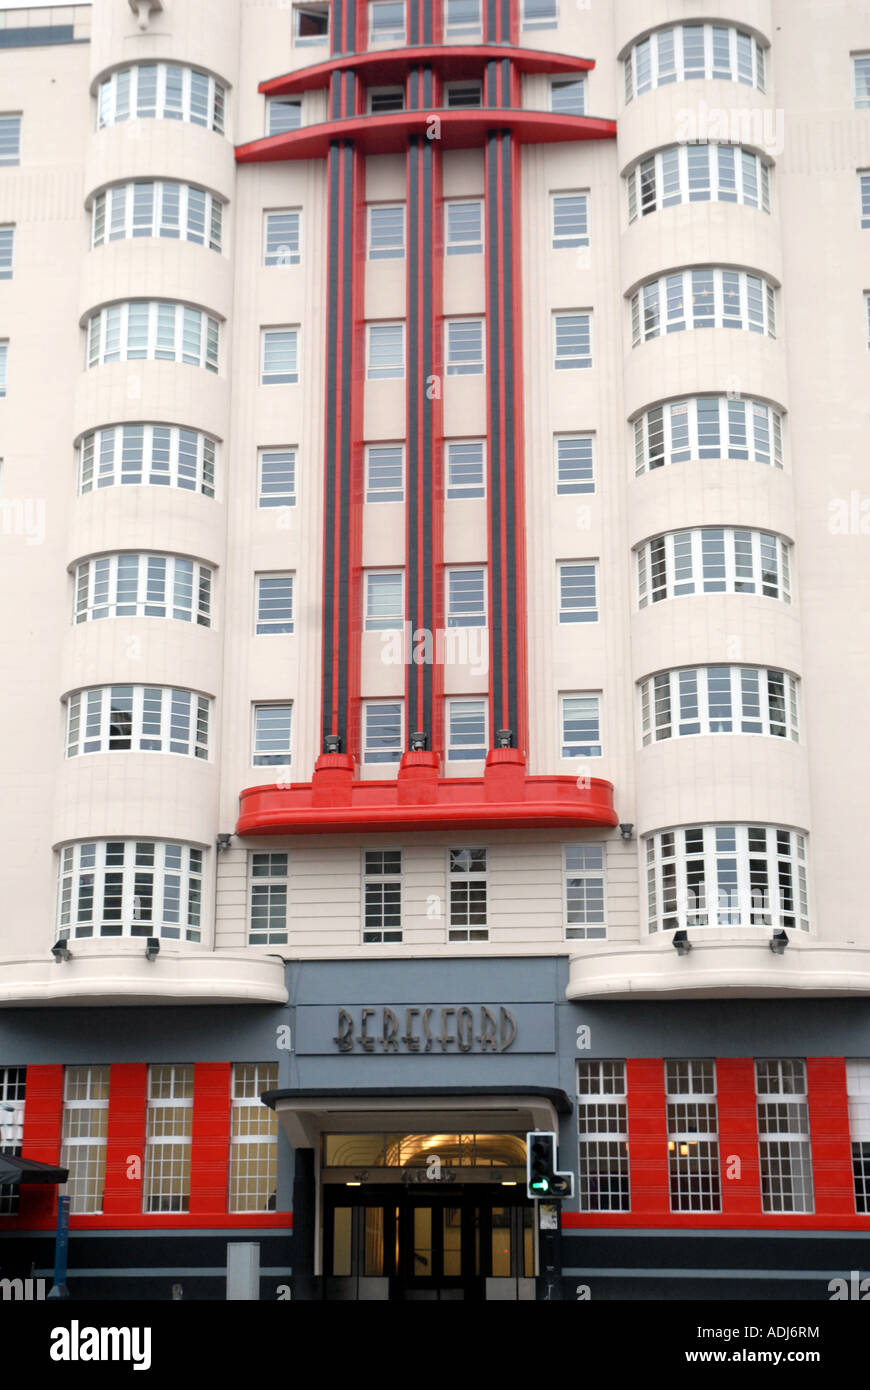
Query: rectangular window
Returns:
{"type": "Point", "coordinates": [861, 69]}
{"type": "Point", "coordinates": [575, 469]}
{"type": "Point", "coordinates": [382, 731]}
{"type": "Point", "coordinates": [539, 14]}
{"type": "Point", "coordinates": [274, 603]}
{"type": "Point", "coordinates": [578, 593]}
{"type": "Point", "coordinates": [387, 21]}
{"type": "Point", "coordinates": [268, 880]}
{"type": "Point", "coordinates": [280, 356]}
{"type": "Point", "coordinates": [382, 896]}
{"type": "Point", "coordinates": [602, 1122]}
{"type": "Point", "coordinates": [466, 476]}
{"type": "Point", "coordinates": [466, 730]}
{"type": "Point", "coordinates": [584, 893]}
{"type": "Point", "coordinates": [272, 735]}
{"type": "Point", "coordinates": [463, 228]}
{"type": "Point", "coordinates": [784, 1136]}
{"type": "Point", "coordinates": [568, 98]}
{"type": "Point", "coordinates": [693, 1136]}
{"type": "Point", "coordinates": [464, 347]}
{"type": "Point", "coordinates": [858, 1089]}
{"type": "Point", "coordinates": [384, 602]}
{"type": "Point", "coordinates": [462, 17]}
{"type": "Point", "coordinates": [570, 220]}
{"type": "Point", "coordinates": [253, 1135]}
{"type": "Point", "coordinates": [581, 726]}
{"type": "Point", "coordinates": [463, 93]}
{"type": "Point", "coordinates": [283, 114]}
{"type": "Point", "coordinates": [387, 233]}
{"type": "Point", "coordinates": [277, 478]}
{"type": "Point", "coordinates": [168, 1131]}
{"type": "Point", "coordinates": [864, 193]}
{"type": "Point", "coordinates": [310, 25]}
{"type": "Point", "coordinates": [83, 1150]}
{"type": "Point", "coordinates": [4, 356]}
{"type": "Point", "coordinates": [385, 473]}
{"type": "Point", "coordinates": [468, 895]}
{"type": "Point", "coordinates": [10, 140]}
{"type": "Point", "coordinates": [282, 238]}
{"type": "Point", "coordinates": [573, 341]}
{"type": "Point", "coordinates": [12, 1087]}
{"type": "Point", "coordinates": [386, 351]}
{"type": "Point", "coordinates": [383, 100]}
{"type": "Point", "coordinates": [6, 238]}
{"type": "Point", "coordinates": [466, 598]}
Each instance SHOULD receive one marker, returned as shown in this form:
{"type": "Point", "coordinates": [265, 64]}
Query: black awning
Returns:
{"type": "Point", "coordinates": [558, 1099]}
{"type": "Point", "coordinates": [15, 1170]}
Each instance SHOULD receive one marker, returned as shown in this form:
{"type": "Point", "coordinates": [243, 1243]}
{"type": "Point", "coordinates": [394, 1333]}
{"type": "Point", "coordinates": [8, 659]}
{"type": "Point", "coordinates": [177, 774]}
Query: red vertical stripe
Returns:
{"type": "Point", "coordinates": [125, 1139]}
{"type": "Point", "coordinates": [210, 1141]}
{"type": "Point", "coordinates": [520, 617]}
{"type": "Point", "coordinates": [436, 329]}
{"type": "Point", "coordinates": [354, 392]}
{"type": "Point", "coordinates": [647, 1138]}
{"type": "Point", "coordinates": [43, 1120]}
{"type": "Point", "coordinates": [738, 1138]}
{"type": "Point", "coordinates": [829, 1136]}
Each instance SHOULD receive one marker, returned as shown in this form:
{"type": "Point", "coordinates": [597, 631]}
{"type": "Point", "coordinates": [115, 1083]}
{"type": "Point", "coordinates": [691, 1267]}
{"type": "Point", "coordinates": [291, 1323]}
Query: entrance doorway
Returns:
{"type": "Point", "coordinates": [467, 1242]}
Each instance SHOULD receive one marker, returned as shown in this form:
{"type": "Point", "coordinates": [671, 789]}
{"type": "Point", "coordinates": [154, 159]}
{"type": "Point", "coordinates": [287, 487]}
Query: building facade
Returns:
{"type": "Point", "coordinates": [435, 551]}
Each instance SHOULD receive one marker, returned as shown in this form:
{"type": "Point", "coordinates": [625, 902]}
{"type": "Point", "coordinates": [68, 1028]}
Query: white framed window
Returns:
{"type": "Point", "coordinates": [713, 560]}
{"type": "Point", "coordinates": [310, 25]}
{"type": "Point", "coordinates": [281, 237]}
{"type": "Point", "coordinates": [130, 888]}
{"type": "Point", "coordinates": [277, 478]}
{"type": "Point", "coordinates": [464, 347]}
{"type": "Point", "coordinates": [463, 227]}
{"type": "Point", "coordinates": [861, 73]}
{"type": "Point", "coordinates": [83, 1143]}
{"type": "Point", "coordinates": [466, 597]}
{"type": "Point", "coordinates": [462, 18]}
{"type": "Point", "coordinates": [568, 96]}
{"type": "Point", "coordinates": [468, 885]}
{"type": "Point", "coordinates": [864, 199]}
{"type": "Point", "coordinates": [867, 315]}
{"type": "Point", "coordinates": [4, 367]}
{"type": "Point", "coordinates": [387, 232]}
{"type": "Point", "coordinates": [384, 601]}
{"type": "Point", "coordinates": [580, 725]}
{"type": "Point", "coordinates": [463, 94]}
{"type": "Point", "coordinates": [708, 298]}
{"type": "Point", "coordinates": [466, 730]}
{"type": "Point", "coordinates": [382, 731]}
{"type": "Point", "coordinates": [274, 604]}
{"type": "Point", "coordinates": [858, 1090]}
{"type": "Point", "coordinates": [701, 173]}
{"type": "Point", "coordinates": [539, 14]}
{"type": "Point", "coordinates": [572, 340]}
{"type": "Point", "coordinates": [269, 885]}
{"type": "Point", "coordinates": [719, 700]}
{"type": "Point", "coordinates": [602, 1124]}
{"type": "Point", "coordinates": [726, 876]}
{"type": "Point", "coordinates": [382, 896]}
{"type": "Point", "coordinates": [385, 344]}
{"type": "Point", "coordinates": [12, 1093]}
{"type": "Point", "coordinates": [10, 140]}
{"type": "Point", "coordinates": [578, 592]}
{"type": "Point", "coordinates": [155, 329]}
{"type": "Point", "coordinates": [584, 893]}
{"type": "Point", "coordinates": [7, 236]}
{"type": "Point", "coordinates": [707, 427]}
{"type": "Point", "coordinates": [147, 455]}
{"type": "Point", "coordinates": [179, 211]}
{"type": "Point", "coordinates": [575, 463]}
{"type": "Point", "coordinates": [382, 100]}
{"type": "Point", "coordinates": [784, 1135]}
{"type": "Point", "coordinates": [165, 91]}
{"type": "Point", "coordinates": [693, 1136]}
{"type": "Point", "coordinates": [272, 726]}
{"type": "Point", "coordinates": [387, 21]}
{"type": "Point", "coordinates": [137, 718]}
{"type": "Point", "coordinates": [253, 1126]}
{"type": "Point", "coordinates": [570, 213]}
{"type": "Point", "coordinates": [168, 1138]}
{"type": "Point", "coordinates": [283, 114]}
{"type": "Point", "coordinates": [465, 468]}
{"type": "Point", "coordinates": [385, 472]}
{"type": "Point", "coordinates": [143, 586]}
{"type": "Point", "coordinates": [280, 356]}
{"type": "Point", "coordinates": [686, 51]}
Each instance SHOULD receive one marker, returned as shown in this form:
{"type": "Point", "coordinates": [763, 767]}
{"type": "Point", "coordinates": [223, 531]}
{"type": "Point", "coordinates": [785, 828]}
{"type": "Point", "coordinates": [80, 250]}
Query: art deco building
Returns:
{"type": "Point", "coordinates": [435, 575]}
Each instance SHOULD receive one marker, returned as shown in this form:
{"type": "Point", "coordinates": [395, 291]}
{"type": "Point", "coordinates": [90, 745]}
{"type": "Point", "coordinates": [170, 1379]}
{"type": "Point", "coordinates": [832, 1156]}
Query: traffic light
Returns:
{"type": "Point", "coordinates": [542, 1177]}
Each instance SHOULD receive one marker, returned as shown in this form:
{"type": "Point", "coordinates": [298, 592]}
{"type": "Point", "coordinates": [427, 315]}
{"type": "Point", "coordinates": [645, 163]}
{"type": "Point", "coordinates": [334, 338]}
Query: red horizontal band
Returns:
{"type": "Point", "coordinates": [452, 60]}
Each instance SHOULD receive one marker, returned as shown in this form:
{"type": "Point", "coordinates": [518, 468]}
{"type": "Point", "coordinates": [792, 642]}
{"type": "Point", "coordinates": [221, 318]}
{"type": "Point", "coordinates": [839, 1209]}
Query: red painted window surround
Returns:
{"type": "Point", "coordinates": [738, 1138]}
{"type": "Point", "coordinates": [125, 1142]}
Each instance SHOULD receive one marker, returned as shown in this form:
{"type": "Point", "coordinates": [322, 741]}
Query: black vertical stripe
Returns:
{"type": "Point", "coordinates": [427, 21]}
{"type": "Point", "coordinates": [493, 378]}
{"type": "Point", "coordinates": [428, 413]}
{"type": "Point", "coordinates": [414, 499]}
{"type": "Point", "coordinates": [491, 34]}
{"type": "Point", "coordinates": [330, 459]}
{"type": "Point", "coordinates": [510, 461]}
{"type": "Point", "coordinates": [346, 295]}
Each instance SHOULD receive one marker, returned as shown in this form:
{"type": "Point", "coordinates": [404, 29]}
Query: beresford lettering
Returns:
{"type": "Point", "coordinates": [427, 1029]}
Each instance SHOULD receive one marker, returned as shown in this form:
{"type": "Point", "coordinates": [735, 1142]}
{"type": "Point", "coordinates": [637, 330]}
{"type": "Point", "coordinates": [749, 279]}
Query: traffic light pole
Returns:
{"type": "Point", "coordinates": [549, 1251]}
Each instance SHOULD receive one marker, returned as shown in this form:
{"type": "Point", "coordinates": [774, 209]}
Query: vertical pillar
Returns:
{"type": "Point", "coordinates": [738, 1137]}
{"type": "Point", "coordinates": [304, 1227]}
{"type": "Point", "coordinates": [41, 1136]}
{"type": "Point", "coordinates": [210, 1140]}
{"type": "Point", "coordinates": [828, 1104]}
{"type": "Point", "coordinates": [647, 1137]}
{"type": "Point", "coordinates": [125, 1139]}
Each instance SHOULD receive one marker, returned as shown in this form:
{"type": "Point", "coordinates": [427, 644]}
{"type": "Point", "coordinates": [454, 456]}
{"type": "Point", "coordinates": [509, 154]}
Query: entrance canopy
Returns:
{"type": "Point", "coordinates": [15, 1170]}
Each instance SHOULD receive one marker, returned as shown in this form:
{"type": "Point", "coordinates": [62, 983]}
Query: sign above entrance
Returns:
{"type": "Point", "coordinates": [432, 1028]}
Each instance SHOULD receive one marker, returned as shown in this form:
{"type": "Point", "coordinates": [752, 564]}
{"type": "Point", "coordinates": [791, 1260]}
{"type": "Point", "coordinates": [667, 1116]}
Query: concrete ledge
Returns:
{"type": "Point", "coordinates": [118, 973]}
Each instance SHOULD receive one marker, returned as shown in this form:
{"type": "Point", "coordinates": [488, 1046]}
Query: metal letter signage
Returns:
{"type": "Point", "coordinates": [462, 1029]}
